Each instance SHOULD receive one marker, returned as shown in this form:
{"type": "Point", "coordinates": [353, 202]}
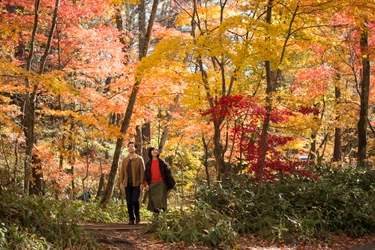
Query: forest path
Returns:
{"type": "Point", "coordinates": [121, 236]}
{"type": "Point", "coordinates": [113, 226]}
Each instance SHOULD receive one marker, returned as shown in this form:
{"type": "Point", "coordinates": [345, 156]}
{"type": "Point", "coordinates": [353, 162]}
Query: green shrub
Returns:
{"type": "Point", "coordinates": [40, 223]}
{"type": "Point", "coordinates": [199, 224]}
{"type": "Point", "coordinates": [340, 201]}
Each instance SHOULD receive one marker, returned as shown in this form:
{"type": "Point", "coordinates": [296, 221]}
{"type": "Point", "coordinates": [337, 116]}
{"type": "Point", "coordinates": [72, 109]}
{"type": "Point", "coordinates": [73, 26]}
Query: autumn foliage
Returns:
{"type": "Point", "coordinates": [269, 91]}
{"type": "Point", "coordinates": [244, 117]}
{"type": "Point", "coordinates": [216, 82]}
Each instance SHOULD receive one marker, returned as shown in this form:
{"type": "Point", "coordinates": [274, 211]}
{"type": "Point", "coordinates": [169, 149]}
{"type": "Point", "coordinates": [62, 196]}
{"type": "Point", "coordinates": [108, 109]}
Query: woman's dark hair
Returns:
{"type": "Point", "coordinates": [149, 152]}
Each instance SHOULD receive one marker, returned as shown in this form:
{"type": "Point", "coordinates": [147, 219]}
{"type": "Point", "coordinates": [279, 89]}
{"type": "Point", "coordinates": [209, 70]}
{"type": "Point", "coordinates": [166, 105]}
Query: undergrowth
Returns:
{"type": "Point", "coordinates": [294, 209]}
{"type": "Point", "coordinates": [339, 202]}
{"type": "Point", "coordinates": [44, 223]}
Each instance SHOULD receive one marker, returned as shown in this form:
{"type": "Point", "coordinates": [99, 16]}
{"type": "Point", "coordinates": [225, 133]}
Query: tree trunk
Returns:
{"type": "Point", "coordinates": [146, 140]}
{"type": "Point", "coordinates": [313, 148]}
{"type": "Point", "coordinates": [364, 95]}
{"type": "Point", "coordinates": [142, 28]}
{"type": "Point", "coordinates": [266, 124]}
{"type": "Point", "coordinates": [165, 133]}
{"type": "Point", "coordinates": [205, 146]}
{"type": "Point", "coordinates": [101, 181]}
{"type": "Point", "coordinates": [72, 158]}
{"type": "Point", "coordinates": [272, 80]}
{"type": "Point", "coordinates": [138, 140]}
{"type": "Point", "coordinates": [128, 113]}
{"type": "Point", "coordinates": [30, 103]}
{"type": "Point", "coordinates": [28, 118]}
{"type": "Point", "coordinates": [73, 194]}
{"type": "Point", "coordinates": [37, 173]}
{"type": "Point", "coordinates": [36, 170]}
{"type": "Point", "coordinates": [218, 150]}
{"type": "Point", "coordinates": [337, 151]}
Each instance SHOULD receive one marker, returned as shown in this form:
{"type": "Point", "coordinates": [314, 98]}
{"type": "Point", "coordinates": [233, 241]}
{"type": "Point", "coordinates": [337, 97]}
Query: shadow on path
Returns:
{"type": "Point", "coordinates": [112, 226]}
{"type": "Point", "coordinates": [365, 247]}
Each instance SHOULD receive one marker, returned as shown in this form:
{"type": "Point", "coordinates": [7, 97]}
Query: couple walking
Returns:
{"type": "Point", "coordinates": [154, 176]}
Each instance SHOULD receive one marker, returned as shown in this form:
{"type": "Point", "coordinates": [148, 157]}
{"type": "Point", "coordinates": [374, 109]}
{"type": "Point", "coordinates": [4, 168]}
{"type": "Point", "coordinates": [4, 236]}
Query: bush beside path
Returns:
{"type": "Point", "coordinates": [121, 236]}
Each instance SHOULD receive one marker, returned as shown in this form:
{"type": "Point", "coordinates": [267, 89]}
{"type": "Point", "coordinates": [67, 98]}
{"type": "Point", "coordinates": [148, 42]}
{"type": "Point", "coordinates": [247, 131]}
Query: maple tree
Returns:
{"type": "Point", "coordinates": [219, 51]}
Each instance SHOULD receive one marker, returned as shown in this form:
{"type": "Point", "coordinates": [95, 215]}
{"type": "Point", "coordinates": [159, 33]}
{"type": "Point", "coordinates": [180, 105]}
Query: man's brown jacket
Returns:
{"type": "Point", "coordinates": [138, 171]}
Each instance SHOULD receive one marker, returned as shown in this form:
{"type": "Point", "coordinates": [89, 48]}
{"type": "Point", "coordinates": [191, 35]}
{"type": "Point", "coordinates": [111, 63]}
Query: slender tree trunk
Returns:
{"type": "Point", "coordinates": [142, 28]}
{"type": "Point", "coordinates": [218, 150]}
{"type": "Point", "coordinates": [337, 151]}
{"type": "Point", "coordinates": [73, 194]}
{"type": "Point", "coordinates": [37, 173]}
{"type": "Point", "coordinates": [266, 123]}
{"type": "Point", "coordinates": [29, 106]}
{"type": "Point", "coordinates": [217, 121]}
{"type": "Point", "coordinates": [165, 133]}
{"type": "Point", "coordinates": [36, 186]}
{"type": "Point", "coordinates": [5, 158]}
{"type": "Point", "coordinates": [72, 158]}
{"type": "Point", "coordinates": [313, 148]}
{"type": "Point", "coordinates": [364, 95]}
{"type": "Point", "coordinates": [16, 164]}
{"type": "Point", "coordinates": [272, 79]}
{"type": "Point", "coordinates": [138, 140]}
{"type": "Point", "coordinates": [28, 118]}
{"type": "Point", "coordinates": [146, 139]}
{"type": "Point", "coordinates": [128, 113]}
{"type": "Point", "coordinates": [205, 146]}
{"type": "Point", "coordinates": [146, 128]}
{"type": "Point", "coordinates": [101, 180]}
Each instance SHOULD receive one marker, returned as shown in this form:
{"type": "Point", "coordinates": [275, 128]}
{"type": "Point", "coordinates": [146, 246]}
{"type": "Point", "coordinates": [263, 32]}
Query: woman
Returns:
{"type": "Point", "coordinates": [158, 180]}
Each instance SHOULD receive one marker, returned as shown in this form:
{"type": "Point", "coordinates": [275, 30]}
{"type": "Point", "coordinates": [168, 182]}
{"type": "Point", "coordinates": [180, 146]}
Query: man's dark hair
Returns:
{"type": "Point", "coordinates": [135, 145]}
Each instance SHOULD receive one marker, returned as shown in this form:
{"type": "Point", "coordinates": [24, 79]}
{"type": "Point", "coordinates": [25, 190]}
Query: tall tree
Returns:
{"type": "Point", "coordinates": [337, 151]}
{"type": "Point", "coordinates": [271, 85]}
{"type": "Point", "coordinates": [30, 103]}
{"type": "Point", "coordinates": [364, 96]}
{"type": "Point", "coordinates": [129, 110]}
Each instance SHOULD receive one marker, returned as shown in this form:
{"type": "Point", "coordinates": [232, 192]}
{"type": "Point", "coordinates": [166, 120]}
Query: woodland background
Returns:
{"type": "Point", "coordinates": [224, 88]}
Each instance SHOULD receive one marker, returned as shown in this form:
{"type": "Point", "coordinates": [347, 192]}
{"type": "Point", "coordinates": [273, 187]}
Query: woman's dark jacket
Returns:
{"type": "Point", "coordinates": [165, 173]}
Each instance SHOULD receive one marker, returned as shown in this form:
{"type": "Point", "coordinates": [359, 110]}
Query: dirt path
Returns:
{"type": "Point", "coordinates": [113, 226]}
{"type": "Point", "coordinates": [120, 236]}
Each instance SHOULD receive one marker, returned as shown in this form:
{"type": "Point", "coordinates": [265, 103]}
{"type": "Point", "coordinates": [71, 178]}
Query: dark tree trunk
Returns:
{"type": "Point", "coordinates": [218, 150]}
{"type": "Point", "coordinates": [36, 183]}
{"type": "Point", "coordinates": [337, 152]}
{"type": "Point", "coordinates": [101, 181]}
{"type": "Point", "coordinates": [205, 146]}
{"type": "Point", "coordinates": [146, 140]}
{"type": "Point", "coordinates": [364, 95]}
{"type": "Point", "coordinates": [28, 118]}
{"type": "Point", "coordinates": [138, 140]}
{"type": "Point", "coordinates": [73, 182]}
{"type": "Point", "coordinates": [266, 123]}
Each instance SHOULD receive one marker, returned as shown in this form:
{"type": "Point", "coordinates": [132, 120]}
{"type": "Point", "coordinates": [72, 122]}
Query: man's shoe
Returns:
{"type": "Point", "coordinates": [131, 222]}
{"type": "Point", "coordinates": [137, 219]}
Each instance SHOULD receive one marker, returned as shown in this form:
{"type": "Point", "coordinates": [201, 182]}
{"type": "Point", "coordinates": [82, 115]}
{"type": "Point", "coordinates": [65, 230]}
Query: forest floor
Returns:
{"type": "Point", "coordinates": [120, 236]}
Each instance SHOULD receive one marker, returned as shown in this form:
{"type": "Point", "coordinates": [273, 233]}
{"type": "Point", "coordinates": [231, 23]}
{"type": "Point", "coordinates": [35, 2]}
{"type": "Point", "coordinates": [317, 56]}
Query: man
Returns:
{"type": "Point", "coordinates": [131, 178]}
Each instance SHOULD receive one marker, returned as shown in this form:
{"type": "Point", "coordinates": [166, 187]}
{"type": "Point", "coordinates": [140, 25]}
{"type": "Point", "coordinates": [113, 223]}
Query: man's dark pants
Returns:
{"type": "Point", "coordinates": [132, 196]}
